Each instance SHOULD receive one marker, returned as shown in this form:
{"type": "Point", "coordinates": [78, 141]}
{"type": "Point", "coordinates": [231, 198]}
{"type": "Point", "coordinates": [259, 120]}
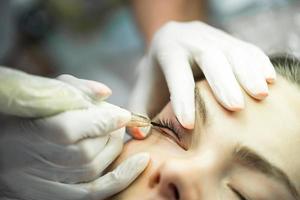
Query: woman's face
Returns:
{"type": "Point", "coordinates": [252, 154]}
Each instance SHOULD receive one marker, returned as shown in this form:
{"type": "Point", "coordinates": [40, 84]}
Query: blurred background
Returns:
{"type": "Point", "coordinates": [99, 39]}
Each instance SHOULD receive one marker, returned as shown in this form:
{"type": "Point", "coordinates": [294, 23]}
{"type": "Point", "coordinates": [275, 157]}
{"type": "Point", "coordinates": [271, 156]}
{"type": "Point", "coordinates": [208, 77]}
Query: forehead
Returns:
{"type": "Point", "coordinates": [270, 127]}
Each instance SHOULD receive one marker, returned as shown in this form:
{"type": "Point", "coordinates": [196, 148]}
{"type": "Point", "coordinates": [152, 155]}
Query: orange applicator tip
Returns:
{"type": "Point", "coordinates": [139, 133]}
{"type": "Point", "coordinates": [139, 126]}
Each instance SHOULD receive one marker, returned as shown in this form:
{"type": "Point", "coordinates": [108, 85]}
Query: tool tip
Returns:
{"type": "Point", "coordinates": [139, 133]}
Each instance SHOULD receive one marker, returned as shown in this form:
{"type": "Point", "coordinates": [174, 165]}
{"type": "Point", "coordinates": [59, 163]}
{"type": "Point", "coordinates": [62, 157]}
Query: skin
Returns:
{"type": "Point", "coordinates": [151, 15]}
{"type": "Point", "coordinates": [206, 170]}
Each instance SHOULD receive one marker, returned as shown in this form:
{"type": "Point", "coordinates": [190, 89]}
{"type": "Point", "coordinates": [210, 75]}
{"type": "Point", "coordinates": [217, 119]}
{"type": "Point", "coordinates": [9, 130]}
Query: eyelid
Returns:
{"type": "Point", "coordinates": [237, 193]}
{"type": "Point", "coordinates": [165, 131]}
{"type": "Point", "coordinates": [167, 126]}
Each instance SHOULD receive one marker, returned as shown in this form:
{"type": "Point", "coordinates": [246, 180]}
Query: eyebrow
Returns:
{"type": "Point", "coordinates": [200, 105]}
{"type": "Point", "coordinates": [248, 157]}
{"type": "Point", "coordinates": [253, 160]}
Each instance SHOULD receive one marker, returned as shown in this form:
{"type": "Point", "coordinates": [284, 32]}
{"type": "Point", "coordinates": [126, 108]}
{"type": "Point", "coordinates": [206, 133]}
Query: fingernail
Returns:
{"type": "Point", "coordinates": [236, 108]}
{"type": "Point", "coordinates": [260, 91]}
{"type": "Point", "coordinates": [189, 126]}
{"type": "Point", "coordinates": [236, 101]}
{"type": "Point", "coordinates": [236, 104]}
{"type": "Point", "coordinates": [99, 90]}
{"type": "Point", "coordinates": [133, 166]}
{"type": "Point", "coordinates": [93, 89]}
{"type": "Point", "coordinates": [262, 95]}
{"type": "Point", "coordinates": [186, 116]}
{"type": "Point", "coordinates": [270, 80]}
{"type": "Point", "coordinates": [272, 76]}
{"type": "Point", "coordinates": [143, 160]}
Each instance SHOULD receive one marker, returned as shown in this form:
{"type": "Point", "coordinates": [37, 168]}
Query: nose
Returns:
{"type": "Point", "coordinates": [175, 180]}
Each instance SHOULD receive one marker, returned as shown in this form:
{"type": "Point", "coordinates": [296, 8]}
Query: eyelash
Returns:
{"type": "Point", "coordinates": [238, 194]}
{"type": "Point", "coordinates": [168, 124]}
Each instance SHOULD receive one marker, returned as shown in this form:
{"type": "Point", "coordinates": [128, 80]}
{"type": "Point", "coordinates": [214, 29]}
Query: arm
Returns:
{"type": "Point", "coordinates": [152, 14]}
{"type": "Point", "coordinates": [179, 47]}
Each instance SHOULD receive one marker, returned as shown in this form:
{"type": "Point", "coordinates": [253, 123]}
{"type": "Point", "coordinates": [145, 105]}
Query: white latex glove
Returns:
{"type": "Point", "coordinates": [26, 95]}
{"type": "Point", "coordinates": [166, 71]}
{"type": "Point", "coordinates": [64, 156]}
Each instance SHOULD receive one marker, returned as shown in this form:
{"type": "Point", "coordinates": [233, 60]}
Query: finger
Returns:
{"type": "Point", "coordinates": [81, 153]}
{"type": "Point", "coordinates": [85, 172]}
{"type": "Point", "coordinates": [32, 187]}
{"type": "Point", "coordinates": [27, 95]}
{"type": "Point", "coordinates": [249, 72]}
{"type": "Point", "coordinates": [73, 126]}
{"type": "Point", "coordinates": [221, 79]}
{"type": "Point", "coordinates": [120, 178]}
{"type": "Point", "coordinates": [177, 70]}
{"type": "Point", "coordinates": [92, 170]}
{"type": "Point", "coordinates": [109, 153]}
{"type": "Point", "coordinates": [93, 89]}
{"type": "Point", "coordinates": [77, 154]}
{"type": "Point", "coordinates": [89, 148]}
{"type": "Point", "coordinates": [268, 68]}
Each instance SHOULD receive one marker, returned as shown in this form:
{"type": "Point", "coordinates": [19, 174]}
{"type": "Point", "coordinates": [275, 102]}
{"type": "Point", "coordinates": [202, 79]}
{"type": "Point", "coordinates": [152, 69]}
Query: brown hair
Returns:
{"type": "Point", "coordinates": [288, 67]}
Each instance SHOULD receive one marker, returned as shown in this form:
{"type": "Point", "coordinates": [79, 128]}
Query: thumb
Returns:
{"type": "Point", "coordinates": [120, 178]}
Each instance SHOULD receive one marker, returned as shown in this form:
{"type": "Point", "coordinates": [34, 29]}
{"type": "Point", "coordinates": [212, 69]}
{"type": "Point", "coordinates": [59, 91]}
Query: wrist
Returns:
{"type": "Point", "coordinates": [152, 15]}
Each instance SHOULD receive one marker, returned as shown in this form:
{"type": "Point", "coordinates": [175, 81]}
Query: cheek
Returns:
{"type": "Point", "coordinates": [160, 149]}
{"type": "Point", "coordinates": [157, 145]}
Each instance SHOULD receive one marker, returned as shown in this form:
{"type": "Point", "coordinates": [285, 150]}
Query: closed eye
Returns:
{"type": "Point", "coordinates": [170, 130]}
{"type": "Point", "coordinates": [237, 193]}
{"type": "Point", "coordinates": [167, 130]}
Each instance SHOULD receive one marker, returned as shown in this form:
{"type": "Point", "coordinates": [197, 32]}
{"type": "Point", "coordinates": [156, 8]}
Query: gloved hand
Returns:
{"type": "Point", "coordinates": [64, 156]}
{"type": "Point", "coordinates": [26, 95]}
{"type": "Point", "coordinates": [179, 50]}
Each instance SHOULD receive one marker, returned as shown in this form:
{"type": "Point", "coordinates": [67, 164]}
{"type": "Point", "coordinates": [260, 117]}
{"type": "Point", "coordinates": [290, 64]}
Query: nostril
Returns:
{"type": "Point", "coordinates": [154, 180]}
{"type": "Point", "coordinates": [174, 190]}
{"type": "Point", "coordinates": [157, 179]}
